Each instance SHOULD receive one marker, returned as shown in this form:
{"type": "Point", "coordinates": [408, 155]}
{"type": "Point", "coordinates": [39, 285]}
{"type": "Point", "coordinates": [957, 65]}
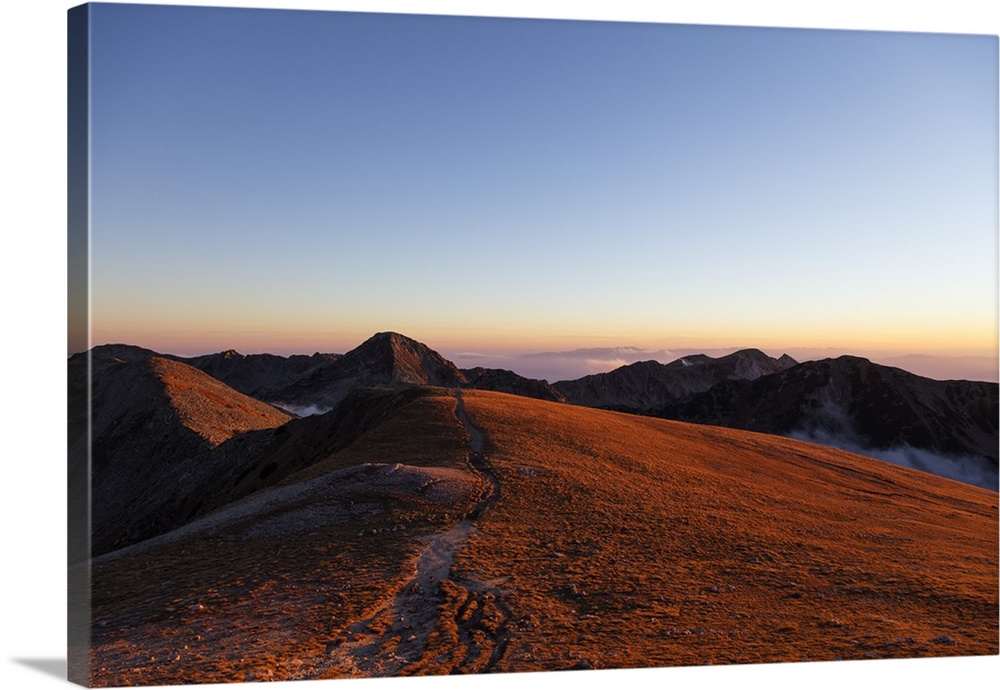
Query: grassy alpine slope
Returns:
{"type": "Point", "coordinates": [576, 538]}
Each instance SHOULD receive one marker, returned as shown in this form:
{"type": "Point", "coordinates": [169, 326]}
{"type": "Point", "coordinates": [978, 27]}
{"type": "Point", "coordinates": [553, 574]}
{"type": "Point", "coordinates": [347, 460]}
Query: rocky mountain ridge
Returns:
{"type": "Point", "coordinates": [386, 360]}
{"type": "Point", "coordinates": [261, 375]}
{"type": "Point", "coordinates": [645, 385]}
{"type": "Point", "coordinates": [155, 423]}
{"type": "Point", "coordinates": [848, 402]}
{"type": "Point", "coordinates": [945, 427]}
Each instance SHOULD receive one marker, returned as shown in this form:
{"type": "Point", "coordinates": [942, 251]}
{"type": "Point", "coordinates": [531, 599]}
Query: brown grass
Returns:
{"type": "Point", "coordinates": [629, 541]}
{"type": "Point", "coordinates": [616, 541]}
{"type": "Point", "coordinates": [210, 408]}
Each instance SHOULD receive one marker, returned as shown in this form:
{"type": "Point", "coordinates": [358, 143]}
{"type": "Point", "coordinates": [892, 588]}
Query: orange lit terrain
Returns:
{"type": "Point", "coordinates": [498, 533]}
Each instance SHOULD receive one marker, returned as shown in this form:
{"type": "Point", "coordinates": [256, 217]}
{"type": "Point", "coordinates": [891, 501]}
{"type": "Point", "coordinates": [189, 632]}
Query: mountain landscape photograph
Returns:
{"type": "Point", "coordinates": [430, 345]}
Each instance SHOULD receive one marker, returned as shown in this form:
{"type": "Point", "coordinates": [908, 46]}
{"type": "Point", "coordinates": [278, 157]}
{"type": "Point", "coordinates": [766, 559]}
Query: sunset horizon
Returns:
{"type": "Point", "coordinates": [562, 359]}
{"type": "Point", "coordinates": [525, 185]}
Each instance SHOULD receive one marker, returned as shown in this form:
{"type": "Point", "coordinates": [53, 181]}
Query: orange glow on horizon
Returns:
{"type": "Point", "coordinates": [189, 342]}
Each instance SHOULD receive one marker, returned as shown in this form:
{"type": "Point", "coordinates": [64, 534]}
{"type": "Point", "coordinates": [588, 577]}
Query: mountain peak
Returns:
{"type": "Point", "coordinates": [397, 358]}
{"type": "Point", "coordinates": [118, 351]}
{"type": "Point", "coordinates": [390, 339]}
{"type": "Point", "coordinates": [391, 336]}
{"type": "Point", "coordinates": [853, 359]}
{"type": "Point", "coordinates": [390, 346]}
{"type": "Point", "coordinates": [753, 354]}
{"type": "Point", "coordinates": [787, 361]}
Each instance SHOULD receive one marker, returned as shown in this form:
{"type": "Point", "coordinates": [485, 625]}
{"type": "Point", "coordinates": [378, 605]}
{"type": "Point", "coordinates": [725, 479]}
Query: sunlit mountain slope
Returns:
{"type": "Point", "coordinates": [480, 532]}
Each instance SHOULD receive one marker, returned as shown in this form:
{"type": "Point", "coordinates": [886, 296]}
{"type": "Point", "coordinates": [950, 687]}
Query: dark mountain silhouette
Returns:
{"type": "Point", "coordinates": [643, 386]}
{"type": "Point", "coordinates": [258, 375]}
{"type": "Point", "coordinates": [852, 403]}
{"type": "Point", "coordinates": [505, 381]}
{"type": "Point", "coordinates": [386, 360]}
{"type": "Point", "coordinates": [393, 358]}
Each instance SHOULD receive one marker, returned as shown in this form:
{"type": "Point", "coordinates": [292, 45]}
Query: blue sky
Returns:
{"type": "Point", "coordinates": [296, 181]}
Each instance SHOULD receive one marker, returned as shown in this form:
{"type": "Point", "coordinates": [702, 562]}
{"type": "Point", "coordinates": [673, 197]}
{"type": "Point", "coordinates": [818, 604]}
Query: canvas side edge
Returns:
{"type": "Point", "coordinates": [78, 331]}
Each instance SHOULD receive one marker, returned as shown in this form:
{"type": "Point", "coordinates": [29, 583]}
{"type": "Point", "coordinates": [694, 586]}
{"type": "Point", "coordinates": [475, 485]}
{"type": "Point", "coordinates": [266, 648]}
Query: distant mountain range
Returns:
{"type": "Point", "coordinates": [949, 428]}
{"type": "Point", "coordinates": [864, 404]}
{"type": "Point", "coordinates": [190, 416]}
{"type": "Point", "coordinates": [643, 386]}
{"type": "Point", "coordinates": [262, 376]}
{"type": "Point", "coordinates": [386, 360]}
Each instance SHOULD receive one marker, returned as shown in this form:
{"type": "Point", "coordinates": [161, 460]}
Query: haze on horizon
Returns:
{"type": "Point", "coordinates": [564, 365]}
{"type": "Point", "coordinates": [293, 181]}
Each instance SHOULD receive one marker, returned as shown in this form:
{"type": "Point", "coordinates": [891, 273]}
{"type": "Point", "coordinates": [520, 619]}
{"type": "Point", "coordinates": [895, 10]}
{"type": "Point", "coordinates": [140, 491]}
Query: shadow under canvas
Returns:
{"type": "Point", "coordinates": [50, 667]}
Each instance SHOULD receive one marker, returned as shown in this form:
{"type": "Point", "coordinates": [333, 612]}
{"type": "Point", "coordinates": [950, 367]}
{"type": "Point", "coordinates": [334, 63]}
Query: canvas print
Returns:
{"type": "Point", "coordinates": [416, 345]}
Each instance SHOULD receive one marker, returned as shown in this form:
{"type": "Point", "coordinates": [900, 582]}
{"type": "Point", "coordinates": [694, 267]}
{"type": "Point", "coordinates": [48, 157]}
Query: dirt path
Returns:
{"type": "Point", "coordinates": [477, 459]}
{"type": "Point", "coordinates": [435, 623]}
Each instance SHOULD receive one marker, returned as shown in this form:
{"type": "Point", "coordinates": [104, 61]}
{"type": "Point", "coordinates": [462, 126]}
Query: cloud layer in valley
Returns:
{"type": "Point", "coordinates": [561, 366]}
{"type": "Point", "coordinates": [967, 469]}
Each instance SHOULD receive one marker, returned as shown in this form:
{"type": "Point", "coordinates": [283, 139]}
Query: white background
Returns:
{"type": "Point", "coordinates": [33, 350]}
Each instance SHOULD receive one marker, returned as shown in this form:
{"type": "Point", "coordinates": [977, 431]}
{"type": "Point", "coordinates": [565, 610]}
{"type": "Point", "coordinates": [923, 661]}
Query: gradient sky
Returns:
{"type": "Point", "coordinates": [292, 181]}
